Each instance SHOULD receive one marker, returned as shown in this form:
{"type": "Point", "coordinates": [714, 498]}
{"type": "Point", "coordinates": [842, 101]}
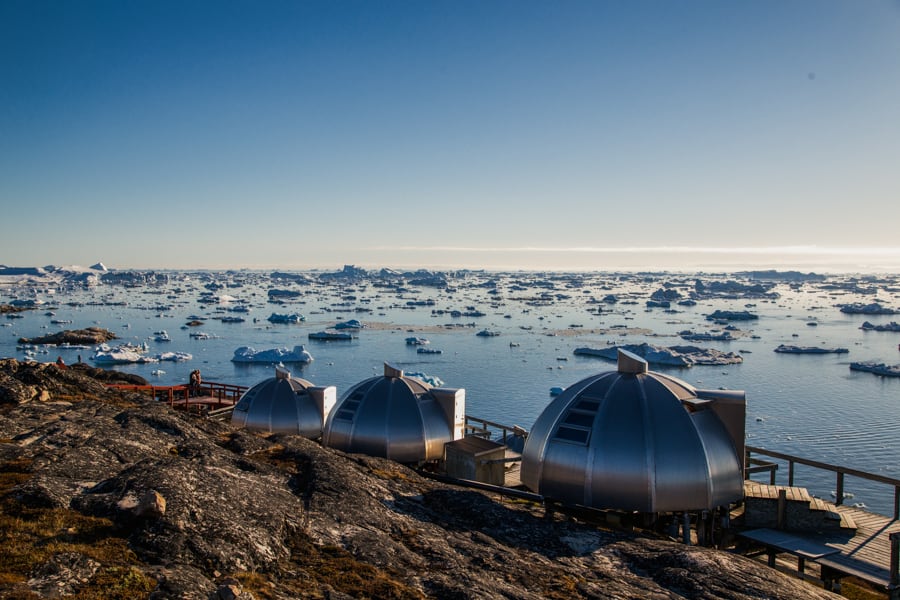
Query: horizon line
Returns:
{"type": "Point", "coordinates": [796, 249]}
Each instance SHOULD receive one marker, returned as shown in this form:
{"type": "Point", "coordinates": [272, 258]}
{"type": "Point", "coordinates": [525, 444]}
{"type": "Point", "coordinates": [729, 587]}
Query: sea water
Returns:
{"type": "Point", "coordinates": [812, 406]}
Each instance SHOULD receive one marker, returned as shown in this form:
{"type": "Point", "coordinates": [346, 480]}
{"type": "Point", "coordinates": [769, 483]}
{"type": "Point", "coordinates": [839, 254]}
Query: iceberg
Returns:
{"type": "Point", "coordinates": [351, 324]}
{"type": "Point", "coordinates": [121, 356]}
{"type": "Point", "coordinates": [876, 368]}
{"type": "Point", "coordinates": [892, 326]}
{"type": "Point", "coordinates": [858, 308]}
{"type": "Point", "coordinates": [676, 356]}
{"type": "Point", "coordinates": [690, 336]}
{"type": "Point", "coordinates": [732, 315]}
{"type": "Point", "coordinates": [174, 356]}
{"type": "Point", "coordinates": [330, 335]}
{"type": "Point", "coordinates": [431, 380]}
{"type": "Point", "coordinates": [488, 333]}
{"type": "Point", "coordinates": [286, 318]}
{"type": "Point", "coordinates": [789, 349]}
{"type": "Point", "coordinates": [297, 354]}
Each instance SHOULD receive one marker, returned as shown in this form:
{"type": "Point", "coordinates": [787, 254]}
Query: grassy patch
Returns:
{"type": "Point", "coordinates": [859, 590]}
{"type": "Point", "coordinates": [338, 568]}
{"type": "Point", "coordinates": [313, 566]}
{"type": "Point", "coordinates": [390, 475]}
{"type": "Point", "coordinates": [32, 536]}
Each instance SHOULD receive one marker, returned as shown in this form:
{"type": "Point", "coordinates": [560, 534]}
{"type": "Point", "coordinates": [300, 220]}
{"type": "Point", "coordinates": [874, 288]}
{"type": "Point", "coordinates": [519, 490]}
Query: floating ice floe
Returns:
{"type": "Point", "coordinates": [431, 380]}
{"type": "Point", "coordinates": [286, 318]}
{"type": "Point", "coordinates": [877, 368]}
{"type": "Point", "coordinates": [202, 335]}
{"type": "Point", "coordinates": [121, 356]}
{"type": "Point", "coordinates": [892, 326]}
{"type": "Point", "coordinates": [174, 356]}
{"type": "Point", "coordinates": [297, 354]}
{"type": "Point", "coordinates": [331, 335]}
{"type": "Point", "coordinates": [789, 349]}
{"type": "Point", "coordinates": [351, 324]}
{"type": "Point", "coordinates": [678, 356]}
{"type": "Point", "coordinates": [873, 308]}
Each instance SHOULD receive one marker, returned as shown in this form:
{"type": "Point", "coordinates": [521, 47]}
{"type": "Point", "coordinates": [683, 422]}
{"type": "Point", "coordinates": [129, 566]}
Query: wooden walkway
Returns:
{"type": "Point", "coordinates": [867, 554]}
{"type": "Point", "coordinates": [211, 395]}
{"type": "Point", "coordinates": [864, 553]}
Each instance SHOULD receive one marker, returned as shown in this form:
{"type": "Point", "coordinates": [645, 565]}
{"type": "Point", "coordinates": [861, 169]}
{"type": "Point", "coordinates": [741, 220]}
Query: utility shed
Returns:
{"type": "Point", "coordinates": [472, 458]}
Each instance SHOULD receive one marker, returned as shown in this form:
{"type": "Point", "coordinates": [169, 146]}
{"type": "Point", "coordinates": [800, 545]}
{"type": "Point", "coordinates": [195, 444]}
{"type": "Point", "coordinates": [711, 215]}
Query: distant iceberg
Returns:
{"type": "Point", "coordinates": [431, 380]}
{"type": "Point", "coordinates": [676, 356]}
{"type": "Point", "coordinates": [858, 308]}
{"type": "Point", "coordinates": [125, 354]}
{"type": "Point", "coordinates": [298, 354]}
{"type": "Point", "coordinates": [174, 356]}
{"type": "Point", "coordinates": [892, 326]}
{"type": "Point", "coordinates": [121, 355]}
{"type": "Point", "coordinates": [286, 318]}
{"type": "Point", "coordinates": [351, 324]}
{"type": "Point", "coordinates": [789, 349]}
{"type": "Point", "coordinates": [876, 368]}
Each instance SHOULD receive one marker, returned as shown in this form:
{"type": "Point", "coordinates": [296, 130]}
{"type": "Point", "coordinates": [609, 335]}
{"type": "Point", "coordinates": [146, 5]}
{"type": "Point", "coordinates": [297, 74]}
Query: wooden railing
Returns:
{"type": "Point", "coordinates": [181, 396]}
{"type": "Point", "coordinates": [223, 392]}
{"type": "Point", "coordinates": [839, 472]}
{"type": "Point", "coordinates": [486, 429]}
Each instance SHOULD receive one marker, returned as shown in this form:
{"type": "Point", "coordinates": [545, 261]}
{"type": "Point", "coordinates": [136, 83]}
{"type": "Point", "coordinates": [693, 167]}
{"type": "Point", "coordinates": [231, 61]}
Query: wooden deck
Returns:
{"type": "Point", "coordinates": [868, 553]}
{"type": "Point", "coordinates": [864, 553]}
{"type": "Point", "coordinates": [211, 395]}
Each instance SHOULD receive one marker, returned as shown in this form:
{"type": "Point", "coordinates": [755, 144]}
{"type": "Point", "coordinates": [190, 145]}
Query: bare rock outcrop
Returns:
{"type": "Point", "coordinates": [89, 336]}
{"type": "Point", "coordinates": [206, 511]}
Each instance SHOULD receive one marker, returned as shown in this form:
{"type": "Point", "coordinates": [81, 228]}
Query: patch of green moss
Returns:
{"type": "Point", "coordinates": [32, 536]}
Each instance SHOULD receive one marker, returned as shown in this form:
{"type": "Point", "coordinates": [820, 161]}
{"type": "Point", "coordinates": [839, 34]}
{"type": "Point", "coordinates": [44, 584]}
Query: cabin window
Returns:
{"type": "Point", "coordinates": [589, 405]}
{"type": "Point", "coordinates": [572, 434]}
{"type": "Point", "coordinates": [579, 418]}
{"type": "Point", "coordinates": [345, 415]}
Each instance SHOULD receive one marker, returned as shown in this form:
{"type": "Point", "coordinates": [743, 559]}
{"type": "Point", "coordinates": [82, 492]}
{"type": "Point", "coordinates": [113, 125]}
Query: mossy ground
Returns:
{"type": "Point", "coordinates": [31, 536]}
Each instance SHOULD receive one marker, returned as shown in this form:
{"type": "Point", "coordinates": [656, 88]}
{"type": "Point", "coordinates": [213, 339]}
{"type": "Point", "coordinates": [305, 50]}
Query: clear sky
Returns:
{"type": "Point", "coordinates": [497, 134]}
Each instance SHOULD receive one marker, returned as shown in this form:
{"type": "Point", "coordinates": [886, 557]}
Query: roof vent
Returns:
{"type": "Point", "coordinates": [392, 371]}
{"type": "Point", "coordinates": [630, 363]}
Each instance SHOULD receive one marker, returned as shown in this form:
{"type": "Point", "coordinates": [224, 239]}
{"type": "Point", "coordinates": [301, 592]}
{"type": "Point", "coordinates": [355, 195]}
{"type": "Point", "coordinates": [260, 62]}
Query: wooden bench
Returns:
{"type": "Point", "coordinates": [777, 542]}
{"type": "Point", "coordinates": [834, 566]}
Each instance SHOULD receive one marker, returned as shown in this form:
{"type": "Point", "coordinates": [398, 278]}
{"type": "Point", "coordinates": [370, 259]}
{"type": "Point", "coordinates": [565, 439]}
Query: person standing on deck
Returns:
{"type": "Point", "coordinates": [195, 381]}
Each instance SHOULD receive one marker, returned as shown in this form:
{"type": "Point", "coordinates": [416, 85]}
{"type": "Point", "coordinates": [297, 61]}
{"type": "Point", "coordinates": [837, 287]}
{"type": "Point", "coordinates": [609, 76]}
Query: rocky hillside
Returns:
{"type": "Point", "coordinates": [106, 495]}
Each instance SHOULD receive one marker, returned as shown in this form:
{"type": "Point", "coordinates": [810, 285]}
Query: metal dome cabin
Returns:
{"type": "Point", "coordinates": [637, 440]}
{"type": "Point", "coordinates": [282, 404]}
{"type": "Point", "coordinates": [396, 417]}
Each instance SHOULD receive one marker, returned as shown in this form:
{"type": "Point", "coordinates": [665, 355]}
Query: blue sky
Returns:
{"type": "Point", "coordinates": [582, 135]}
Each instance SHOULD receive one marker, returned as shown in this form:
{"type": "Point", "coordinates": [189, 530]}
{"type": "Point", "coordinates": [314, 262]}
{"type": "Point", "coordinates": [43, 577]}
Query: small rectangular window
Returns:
{"type": "Point", "coordinates": [579, 418]}
{"type": "Point", "coordinates": [570, 434]}
{"type": "Point", "coordinates": [344, 415]}
{"type": "Point", "coordinates": [591, 405]}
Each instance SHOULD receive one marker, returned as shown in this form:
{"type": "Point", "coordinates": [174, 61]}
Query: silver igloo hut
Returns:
{"type": "Point", "coordinates": [284, 404]}
{"type": "Point", "coordinates": [396, 417]}
{"type": "Point", "coordinates": [637, 440]}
